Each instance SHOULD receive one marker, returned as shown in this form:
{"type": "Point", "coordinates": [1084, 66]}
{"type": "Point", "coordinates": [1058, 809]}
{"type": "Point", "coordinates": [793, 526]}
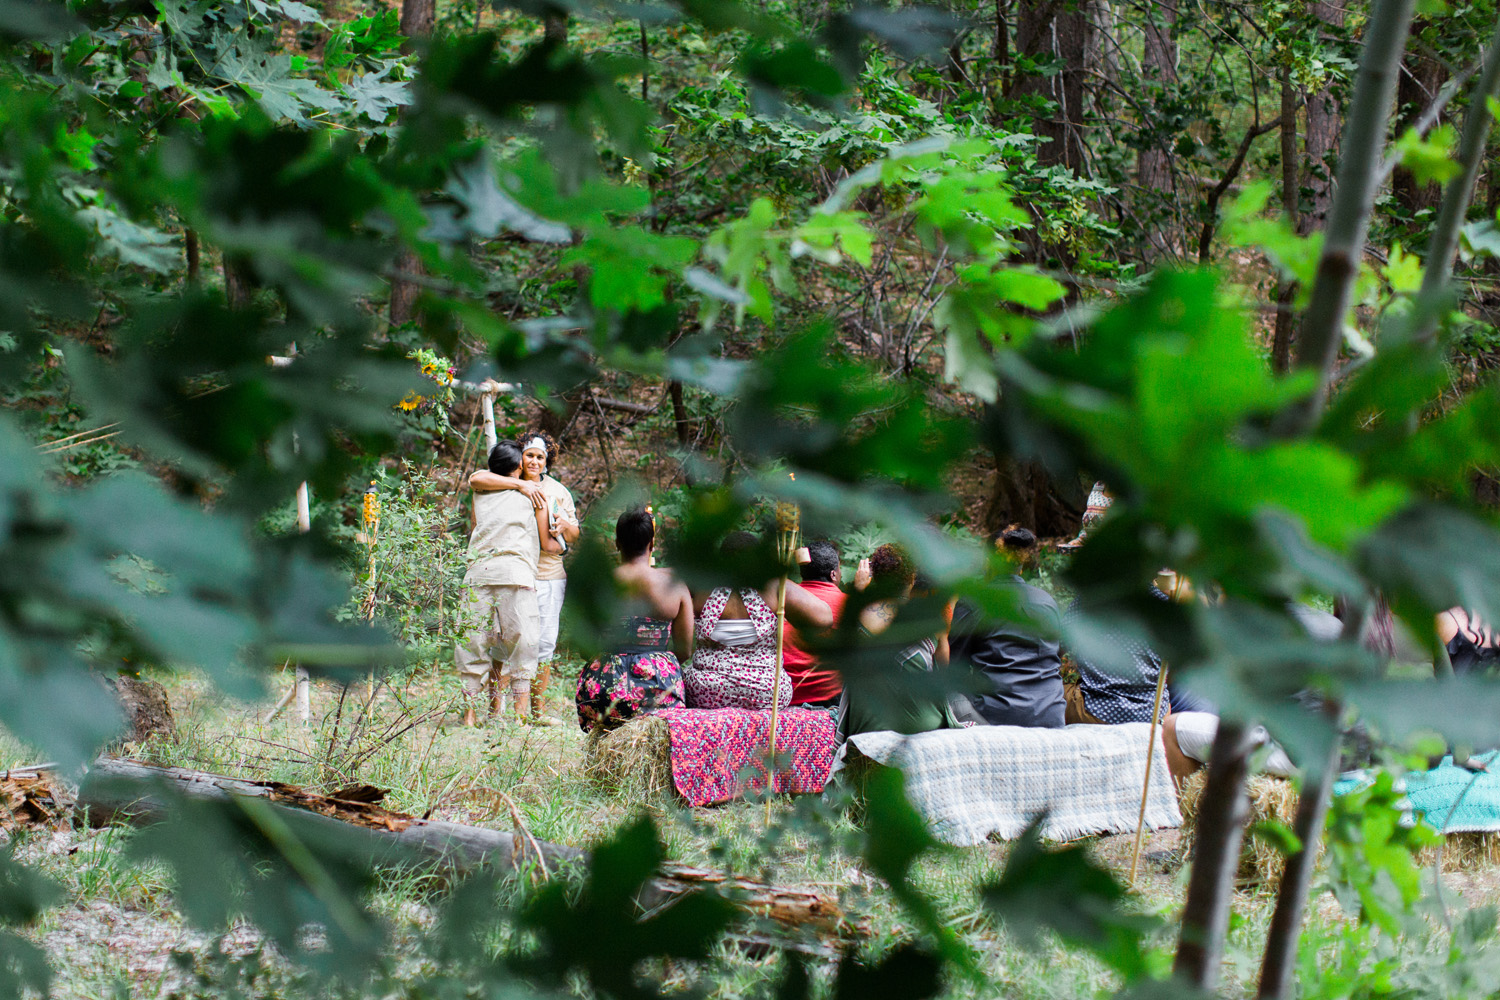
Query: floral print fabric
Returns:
{"type": "Point", "coordinates": [735, 676]}
{"type": "Point", "coordinates": [642, 677]}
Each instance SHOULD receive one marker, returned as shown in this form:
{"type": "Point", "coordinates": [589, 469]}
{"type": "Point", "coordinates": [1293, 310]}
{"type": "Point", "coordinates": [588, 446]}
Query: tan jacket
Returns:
{"type": "Point", "coordinates": [504, 547]}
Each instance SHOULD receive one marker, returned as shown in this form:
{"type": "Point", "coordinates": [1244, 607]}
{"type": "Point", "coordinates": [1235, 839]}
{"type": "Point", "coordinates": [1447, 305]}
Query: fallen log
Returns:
{"type": "Point", "coordinates": [116, 790]}
{"type": "Point", "coordinates": [30, 798]}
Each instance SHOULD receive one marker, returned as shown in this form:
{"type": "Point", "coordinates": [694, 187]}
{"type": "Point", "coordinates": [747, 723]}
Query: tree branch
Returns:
{"type": "Point", "coordinates": [1349, 219]}
{"type": "Point", "coordinates": [1211, 206]}
{"type": "Point", "coordinates": [1216, 858]}
{"type": "Point", "coordinates": [1312, 811]}
{"type": "Point", "coordinates": [1456, 197]}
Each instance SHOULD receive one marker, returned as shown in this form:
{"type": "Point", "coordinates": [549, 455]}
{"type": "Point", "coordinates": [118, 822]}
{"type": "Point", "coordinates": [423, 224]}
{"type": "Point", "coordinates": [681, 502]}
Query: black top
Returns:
{"type": "Point", "coordinates": [642, 633]}
{"type": "Point", "coordinates": [1025, 687]}
{"type": "Point", "coordinates": [1469, 657]}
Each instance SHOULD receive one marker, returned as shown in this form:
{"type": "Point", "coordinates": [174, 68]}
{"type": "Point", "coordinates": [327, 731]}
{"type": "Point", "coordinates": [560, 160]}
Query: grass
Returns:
{"type": "Point", "coordinates": [494, 776]}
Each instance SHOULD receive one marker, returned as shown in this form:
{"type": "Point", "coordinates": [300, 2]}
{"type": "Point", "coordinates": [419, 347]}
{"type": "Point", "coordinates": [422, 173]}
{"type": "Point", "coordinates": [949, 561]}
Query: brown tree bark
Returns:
{"type": "Point", "coordinates": [1059, 31]}
{"type": "Point", "coordinates": [1025, 494]}
{"type": "Point", "coordinates": [1321, 142]}
{"type": "Point", "coordinates": [237, 285]}
{"type": "Point", "coordinates": [1291, 203]}
{"type": "Point", "coordinates": [403, 304]}
{"type": "Point", "coordinates": [1421, 79]}
{"type": "Point", "coordinates": [1216, 858]}
{"type": "Point", "coordinates": [1159, 70]}
{"type": "Point", "coordinates": [555, 28]}
{"type": "Point", "coordinates": [418, 17]}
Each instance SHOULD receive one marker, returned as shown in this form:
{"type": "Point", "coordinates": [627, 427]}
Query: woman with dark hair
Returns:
{"type": "Point", "coordinates": [886, 698]}
{"type": "Point", "coordinates": [538, 452]}
{"type": "Point", "coordinates": [644, 672]}
{"type": "Point", "coordinates": [735, 665]}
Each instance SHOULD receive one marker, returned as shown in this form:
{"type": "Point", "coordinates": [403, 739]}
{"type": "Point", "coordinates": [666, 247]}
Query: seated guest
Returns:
{"type": "Point", "coordinates": [643, 673]}
{"type": "Point", "coordinates": [1188, 737]}
{"type": "Point", "coordinates": [735, 666]}
{"type": "Point", "coordinates": [883, 699]}
{"type": "Point", "coordinates": [1468, 642]}
{"type": "Point", "coordinates": [1124, 694]}
{"type": "Point", "coordinates": [1017, 665]}
{"type": "Point", "coordinates": [814, 685]}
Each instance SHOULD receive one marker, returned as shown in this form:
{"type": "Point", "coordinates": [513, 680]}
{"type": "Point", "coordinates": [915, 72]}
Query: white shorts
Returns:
{"type": "Point", "coordinates": [1195, 738]}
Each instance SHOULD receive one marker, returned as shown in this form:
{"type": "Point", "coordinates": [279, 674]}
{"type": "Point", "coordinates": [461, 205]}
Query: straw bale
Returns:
{"type": "Point", "coordinates": [632, 761]}
{"type": "Point", "coordinates": [1272, 798]}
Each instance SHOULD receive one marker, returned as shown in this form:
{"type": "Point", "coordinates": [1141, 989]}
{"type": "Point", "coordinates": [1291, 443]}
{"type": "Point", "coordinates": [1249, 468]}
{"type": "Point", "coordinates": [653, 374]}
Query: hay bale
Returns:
{"type": "Point", "coordinates": [633, 761]}
{"type": "Point", "coordinates": [1272, 798]}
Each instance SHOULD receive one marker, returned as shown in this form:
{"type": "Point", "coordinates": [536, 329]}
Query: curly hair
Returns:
{"type": "Point", "coordinates": [548, 442]}
{"type": "Point", "coordinates": [889, 563]}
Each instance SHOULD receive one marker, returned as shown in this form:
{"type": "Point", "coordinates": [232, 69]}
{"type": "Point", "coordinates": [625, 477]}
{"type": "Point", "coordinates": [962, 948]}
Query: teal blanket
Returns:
{"type": "Point", "coordinates": [1451, 799]}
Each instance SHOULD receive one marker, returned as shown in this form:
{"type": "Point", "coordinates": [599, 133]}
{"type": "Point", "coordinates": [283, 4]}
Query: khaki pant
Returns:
{"type": "Point", "coordinates": [1074, 710]}
{"type": "Point", "coordinates": [504, 628]}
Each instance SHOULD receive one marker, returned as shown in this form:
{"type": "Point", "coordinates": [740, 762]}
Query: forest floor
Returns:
{"type": "Point", "coordinates": [120, 927]}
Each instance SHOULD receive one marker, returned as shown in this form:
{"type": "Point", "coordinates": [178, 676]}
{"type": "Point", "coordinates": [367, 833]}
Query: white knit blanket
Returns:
{"type": "Point", "coordinates": [971, 783]}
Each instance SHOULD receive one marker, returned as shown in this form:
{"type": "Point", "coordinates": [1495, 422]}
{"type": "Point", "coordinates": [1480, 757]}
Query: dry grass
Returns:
{"type": "Point", "coordinates": [633, 761]}
{"type": "Point", "coordinates": [1275, 800]}
{"type": "Point", "coordinates": [1271, 800]}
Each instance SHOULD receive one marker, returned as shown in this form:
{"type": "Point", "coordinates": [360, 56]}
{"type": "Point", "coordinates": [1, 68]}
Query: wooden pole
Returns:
{"type": "Point", "coordinates": [303, 685]}
{"type": "Point", "coordinates": [1161, 683]}
{"type": "Point", "coordinates": [1140, 823]}
{"type": "Point", "coordinates": [776, 692]}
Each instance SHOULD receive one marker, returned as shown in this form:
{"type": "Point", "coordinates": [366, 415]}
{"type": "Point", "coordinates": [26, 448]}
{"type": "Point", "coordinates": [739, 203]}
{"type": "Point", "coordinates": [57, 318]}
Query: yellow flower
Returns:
{"type": "Point", "coordinates": [411, 402]}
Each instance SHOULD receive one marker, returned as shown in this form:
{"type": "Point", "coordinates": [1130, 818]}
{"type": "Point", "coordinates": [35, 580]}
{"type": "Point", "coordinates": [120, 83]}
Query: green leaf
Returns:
{"type": "Point", "coordinates": [1430, 160]}
{"type": "Point", "coordinates": [133, 243]}
{"type": "Point", "coordinates": [267, 77]}
{"type": "Point", "coordinates": [1065, 892]}
{"type": "Point", "coordinates": [1403, 270]}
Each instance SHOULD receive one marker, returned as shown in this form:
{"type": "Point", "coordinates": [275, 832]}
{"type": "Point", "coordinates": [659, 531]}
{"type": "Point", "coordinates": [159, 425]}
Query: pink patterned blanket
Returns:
{"type": "Point", "coordinates": [719, 754]}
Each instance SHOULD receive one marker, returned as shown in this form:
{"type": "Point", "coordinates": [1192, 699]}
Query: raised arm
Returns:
{"type": "Point", "coordinates": [805, 610]}
{"type": "Point", "coordinates": [485, 481]}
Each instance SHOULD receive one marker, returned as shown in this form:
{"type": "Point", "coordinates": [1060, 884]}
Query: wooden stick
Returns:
{"type": "Point", "coordinates": [776, 693]}
{"type": "Point", "coordinates": [1140, 823]}
{"type": "Point", "coordinates": [302, 687]}
{"type": "Point", "coordinates": [76, 434]}
{"type": "Point", "coordinates": [1161, 683]}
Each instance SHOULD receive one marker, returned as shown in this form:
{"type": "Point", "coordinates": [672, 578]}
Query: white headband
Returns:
{"type": "Point", "coordinates": [536, 443]}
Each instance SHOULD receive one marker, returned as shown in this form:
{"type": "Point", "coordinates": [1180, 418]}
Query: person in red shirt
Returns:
{"type": "Point", "coordinates": [814, 686]}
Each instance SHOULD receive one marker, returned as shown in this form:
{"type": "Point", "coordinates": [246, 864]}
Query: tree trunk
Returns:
{"type": "Point", "coordinates": [1001, 53]}
{"type": "Point", "coordinates": [1322, 139]}
{"type": "Point", "coordinates": [417, 17]}
{"type": "Point", "coordinates": [1055, 31]}
{"type": "Point", "coordinates": [1291, 202]}
{"type": "Point", "coordinates": [1216, 858]}
{"type": "Point", "coordinates": [1421, 79]}
{"type": "Point", "coordinates": [555, 28]}
{"type": "Point", "coordinates": [120, 791]}
{"type": "Point", "coordinates": [403, 305]}
{"type": "Point", "coordinates": [237, 285]}
{"type": "Point", "coordinates": [1154, 162]}
{"type": "Point", "coordinates": [1159, 72]}
{"type": "Point", "coordinates": [1025, 494]}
